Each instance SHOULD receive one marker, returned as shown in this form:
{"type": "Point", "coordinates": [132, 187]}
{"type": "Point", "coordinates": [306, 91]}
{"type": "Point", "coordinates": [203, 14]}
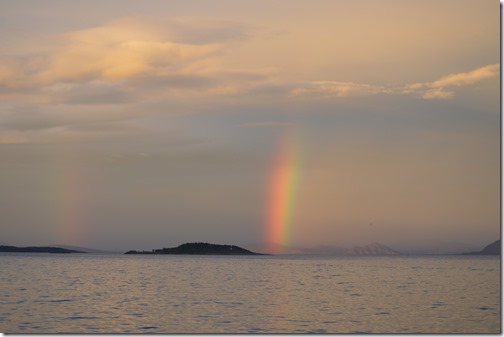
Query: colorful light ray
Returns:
{"type": "Point", "coordinates": [282, 194]}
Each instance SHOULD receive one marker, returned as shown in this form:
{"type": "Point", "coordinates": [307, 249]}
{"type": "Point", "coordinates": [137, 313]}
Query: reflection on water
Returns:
{"type": "Point", "coordinates": [42, 293]}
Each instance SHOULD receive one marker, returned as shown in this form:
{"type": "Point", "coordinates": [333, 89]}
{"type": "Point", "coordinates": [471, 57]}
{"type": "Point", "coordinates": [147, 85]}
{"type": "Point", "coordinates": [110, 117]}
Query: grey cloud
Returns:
{"type": "Point", "coordinates": [268, 124]}
{"type": "Point", "coordinates": [26, 119]}
{"type": "Point", "coordinates": [274, 88]}
{"type": "Point", "coordinates": [175, 81]}
{"type": "Point", "coordinates": [31, 118]}
{"type": "Point", "coordinates": [254, 76]}
{"type": "Point", "coordinates": [89, 95]}
{"type": "Point", "coordinates": [202, 30]}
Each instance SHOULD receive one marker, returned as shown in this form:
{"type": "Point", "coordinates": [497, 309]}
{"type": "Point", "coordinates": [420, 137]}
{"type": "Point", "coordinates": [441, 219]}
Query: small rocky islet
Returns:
{"type": "Point", "coordinates": [199, 248]}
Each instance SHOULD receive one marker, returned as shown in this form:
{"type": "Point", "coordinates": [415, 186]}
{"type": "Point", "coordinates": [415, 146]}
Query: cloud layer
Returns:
{"type": "Point", "coordinates": [428, 90]}
{"type": "Point", "coordinates": [120, 50]}
{"type": "Point", "coordinates": [129, 69]}
{"type": "Point", "coordinates": [109, 63]}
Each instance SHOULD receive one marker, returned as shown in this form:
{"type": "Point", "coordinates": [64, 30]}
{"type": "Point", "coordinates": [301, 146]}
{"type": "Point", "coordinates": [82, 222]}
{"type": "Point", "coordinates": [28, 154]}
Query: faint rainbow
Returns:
{"type": "Point", "coordinates": [282, 193]}
{"type": "Point", "coordinates": [69, 194]}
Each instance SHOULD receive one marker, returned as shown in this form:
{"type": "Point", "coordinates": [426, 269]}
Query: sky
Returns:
{"type": "Point", "coordinates": [141, 125]}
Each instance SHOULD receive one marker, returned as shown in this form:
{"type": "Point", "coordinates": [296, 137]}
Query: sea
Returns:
{"type": "Point", "coordinates": [92, 293]}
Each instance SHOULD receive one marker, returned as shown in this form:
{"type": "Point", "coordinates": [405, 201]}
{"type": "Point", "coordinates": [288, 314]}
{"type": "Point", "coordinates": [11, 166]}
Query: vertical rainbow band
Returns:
{"type": "Point", "coordinates": [69, 194]}
{"type": "Point", "coordinates": [282, 194]}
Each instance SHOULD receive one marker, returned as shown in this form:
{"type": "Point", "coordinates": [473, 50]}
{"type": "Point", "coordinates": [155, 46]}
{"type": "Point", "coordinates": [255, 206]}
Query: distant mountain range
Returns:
{"type": "Point", "coordinates": [373, 249]}
{"type": "Point", "coordinates": [378, 249]}
{"type": "Point", "coordinates": [492, 249]}
{"type": "Point", "coordinates": [437, 247]}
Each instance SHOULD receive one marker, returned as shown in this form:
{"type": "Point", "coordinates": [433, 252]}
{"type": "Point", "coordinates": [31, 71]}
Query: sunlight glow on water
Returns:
{"type": "Point", "coordinates": [48, 293]}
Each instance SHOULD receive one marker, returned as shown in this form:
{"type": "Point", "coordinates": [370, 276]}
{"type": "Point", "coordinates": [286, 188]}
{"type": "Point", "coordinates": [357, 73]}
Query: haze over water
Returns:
{"type": "Point", "coordinates": [50, 293]}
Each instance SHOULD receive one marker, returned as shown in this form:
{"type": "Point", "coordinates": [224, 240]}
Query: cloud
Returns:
{"type": "Point", "coordinates": [204, 30]}
{"type": "Point", "coordinates": [131, 60]}
{"type": "Point", "coordinates": [92, 93]}
{"type": "Point", "coordinates": [172, 62]}
{"type": "Point", "coordinates": [267, 124]}
{"type": "Point", "coordinates": [119, 51]}
{"type": "Point", "coordinates": [38, 119]}
{"type": "Point", "coordinates": [436, 89]}
{"type": "Point", "coordinates": [123, 49]}
{"type": "Point", "coordinates": [340, 89]}
{"type": "Point", "coordinates": [427, 90]}
{"type": "Point", "coordinates": [135, 53]}
{"type": "Point", "coordinates": [468, 78]}
{"type": "Point", "coordinates": [438, 94]}
{"type": "Point", "coordinates": [9, 69]}
{"type": "Point", "coordinates": [13, 138]}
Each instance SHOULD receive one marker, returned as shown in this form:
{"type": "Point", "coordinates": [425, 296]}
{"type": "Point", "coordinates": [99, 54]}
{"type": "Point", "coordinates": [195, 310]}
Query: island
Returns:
{"type": "Point", "coordinates": [53, 250]}
{"type": "Point", "coordinates": [199, 248]}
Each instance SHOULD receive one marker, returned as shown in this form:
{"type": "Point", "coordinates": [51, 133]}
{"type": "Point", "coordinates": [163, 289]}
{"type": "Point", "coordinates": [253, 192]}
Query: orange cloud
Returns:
{"type": "Point", "coordinates": [149, 59]}
{"type": "Point", "coordinates": [436, 89]}
{"type": "Point", "coordinates": [468, 78]}
{"type": "Point", "coordinates": [438, 94]}
{"type": "Point", "coordinates": [120, 50]}
{"type": "Point", "coordinates": [427, 90]}
{"type": "Point", "coordinates": [340, 89]}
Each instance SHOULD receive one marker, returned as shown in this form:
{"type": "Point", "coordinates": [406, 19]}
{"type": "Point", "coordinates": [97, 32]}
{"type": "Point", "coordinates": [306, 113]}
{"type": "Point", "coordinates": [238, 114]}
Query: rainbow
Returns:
{"type": "Point", "coordinates": [69, 196]}
{"type": "Point", "coordinates": [282, 193]}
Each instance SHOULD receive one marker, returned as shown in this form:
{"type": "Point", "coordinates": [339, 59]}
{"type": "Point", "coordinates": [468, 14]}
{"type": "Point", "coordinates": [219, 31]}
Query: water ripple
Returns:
{"type": "Point", "coordinates": [164, 294]}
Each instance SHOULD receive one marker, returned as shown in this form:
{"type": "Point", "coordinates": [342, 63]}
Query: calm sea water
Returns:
{"type": "Point", "coordinates": [47, 293]}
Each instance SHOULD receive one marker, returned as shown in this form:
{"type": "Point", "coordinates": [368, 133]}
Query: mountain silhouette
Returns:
{"type": "Point", "coordinates": [373, 249]}
{"type": "Point", "coordinates": [492, 249]}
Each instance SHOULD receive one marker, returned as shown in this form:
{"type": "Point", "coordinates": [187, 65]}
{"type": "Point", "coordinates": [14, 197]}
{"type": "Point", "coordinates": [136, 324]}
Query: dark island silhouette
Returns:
{"type": "Point", "coordinates": [53, 250]}
{"type": "Point", "coordinates": [492, 249]}
{"type": "Point", "coordinates": [199, 248]}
